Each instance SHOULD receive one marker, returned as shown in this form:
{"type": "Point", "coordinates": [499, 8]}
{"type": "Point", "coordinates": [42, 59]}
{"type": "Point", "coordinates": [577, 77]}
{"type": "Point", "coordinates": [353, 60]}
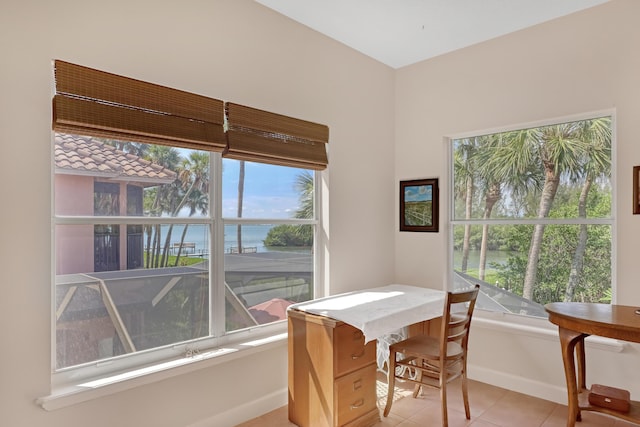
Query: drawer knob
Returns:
{"type": "Point", "coordinates": [357, 356]}
{"type": "Point", "coordinates": [357, 384]}
{"type": "Point", "coordinates": [357, 404]}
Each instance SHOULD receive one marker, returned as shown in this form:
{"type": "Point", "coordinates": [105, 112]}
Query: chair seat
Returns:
{"type": "Point", "coordinates": [426, 347]}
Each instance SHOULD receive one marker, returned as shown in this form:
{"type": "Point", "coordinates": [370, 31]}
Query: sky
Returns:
{"type": "Point", "coordinates": [417, 193]}
{"type": "Point", "coordinates": [269, 191]}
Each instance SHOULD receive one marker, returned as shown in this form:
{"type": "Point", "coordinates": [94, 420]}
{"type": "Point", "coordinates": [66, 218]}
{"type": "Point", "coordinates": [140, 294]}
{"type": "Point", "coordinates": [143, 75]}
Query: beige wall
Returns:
{"type": "Point", "coordinates": [582, 63]}
{"type": "Point", "coordinates": [234, 50]}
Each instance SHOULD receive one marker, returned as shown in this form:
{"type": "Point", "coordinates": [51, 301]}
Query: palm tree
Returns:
{"type": "Point", "coordinates": [169, 158]}
{"type": "Point", "coordinates": [499, 170]}
{"type": "Point", "coordinates": [492, 195]}
{"type": "Point", "coordinates": [464, 185]}
{"type": "Point", "coordinates": [597, 162]}
{"type": "Point", "coordinates": [305, 186]}
{"type": "Point", "coordinates": [197, 197]}
{"type": "Point", "coordinates": [504, 164]}
{"type": "Point", "coordinates": [559, 150]}
{"type": "Point", "coordinates": [193, 175]}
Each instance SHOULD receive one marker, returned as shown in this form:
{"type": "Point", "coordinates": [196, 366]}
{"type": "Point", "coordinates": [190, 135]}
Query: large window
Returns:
{"type": "Point", "coordinates": [531, 216]}
{"type": "Point", "coordinates": [173, 233]}
{"type": "Point", "coordinates": [107, 305]}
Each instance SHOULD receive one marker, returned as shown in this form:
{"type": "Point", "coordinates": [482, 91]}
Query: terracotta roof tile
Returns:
{"type": "Point", "coordinates": [87, 155]}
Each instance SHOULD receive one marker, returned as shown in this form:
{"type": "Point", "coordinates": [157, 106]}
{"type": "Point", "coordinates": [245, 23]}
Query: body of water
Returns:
{"type": "Point", "coordinates": [252, 237]}
{"type": "Point", "coordinates": [495, 257]}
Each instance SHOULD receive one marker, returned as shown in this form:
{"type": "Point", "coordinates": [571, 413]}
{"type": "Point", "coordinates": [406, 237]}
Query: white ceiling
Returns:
{"type": "Point", "coordinates": [403, 32]}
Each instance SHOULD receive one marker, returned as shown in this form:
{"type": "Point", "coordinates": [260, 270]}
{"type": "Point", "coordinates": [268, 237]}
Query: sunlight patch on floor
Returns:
{"type": "Point", "coordinates": [398, 393]}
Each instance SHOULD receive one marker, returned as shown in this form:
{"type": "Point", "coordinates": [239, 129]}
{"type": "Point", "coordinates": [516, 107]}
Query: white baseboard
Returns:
{"type": "Point", "coordinates": [519, 384]}
{"type": "Point", "coordinates": [246, 411]}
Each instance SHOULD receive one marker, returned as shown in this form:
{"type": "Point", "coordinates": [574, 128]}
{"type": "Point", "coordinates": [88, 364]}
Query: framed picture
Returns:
{"type": "Point", "coordinates": [419, 205]}
{"type": "Point", "coordinates": [636, 190]}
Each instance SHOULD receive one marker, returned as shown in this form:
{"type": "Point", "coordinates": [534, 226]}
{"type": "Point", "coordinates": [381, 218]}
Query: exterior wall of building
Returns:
{"type": "Point", "coordinates": [74, 196]}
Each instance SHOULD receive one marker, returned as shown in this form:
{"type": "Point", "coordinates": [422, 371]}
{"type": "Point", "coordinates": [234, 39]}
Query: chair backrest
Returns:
{"type": "Point", "coordinates": [456, 323]}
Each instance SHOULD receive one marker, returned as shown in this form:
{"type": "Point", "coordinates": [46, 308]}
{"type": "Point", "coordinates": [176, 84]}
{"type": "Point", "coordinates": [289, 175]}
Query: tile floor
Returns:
{"type": "Point", "coordinates": [490, 407]}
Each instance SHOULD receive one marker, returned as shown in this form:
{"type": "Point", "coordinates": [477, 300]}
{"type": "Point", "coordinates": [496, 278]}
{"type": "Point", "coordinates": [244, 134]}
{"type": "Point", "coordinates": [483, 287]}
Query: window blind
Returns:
{"type": "Point", "coordinates": [97, 103]}
{"type": "Point", "coordinates": [261, 136]}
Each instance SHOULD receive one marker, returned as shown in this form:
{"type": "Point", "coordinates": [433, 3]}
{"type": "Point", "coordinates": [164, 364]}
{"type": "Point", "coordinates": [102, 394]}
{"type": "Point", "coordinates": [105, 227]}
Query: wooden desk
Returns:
{"type": "Point", "coordinates": [332, 363]}
{"type": "Point", "coordinates": [576, 321]}
{"type": "Point", "coordinates": [332, 373]}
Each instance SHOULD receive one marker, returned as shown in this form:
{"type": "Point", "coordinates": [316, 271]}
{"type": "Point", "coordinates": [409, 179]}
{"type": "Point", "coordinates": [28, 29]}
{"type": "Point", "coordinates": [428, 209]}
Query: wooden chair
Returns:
{"type": "Point", "coordinates": [435, 361]}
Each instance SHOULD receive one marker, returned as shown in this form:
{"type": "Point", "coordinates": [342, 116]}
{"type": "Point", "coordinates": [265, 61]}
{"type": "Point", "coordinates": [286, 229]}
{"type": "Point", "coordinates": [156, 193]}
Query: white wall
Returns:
{"type": "Point", "coordinates": [578, 64]}
{"type": "Point", "coordinates": [234, 50]}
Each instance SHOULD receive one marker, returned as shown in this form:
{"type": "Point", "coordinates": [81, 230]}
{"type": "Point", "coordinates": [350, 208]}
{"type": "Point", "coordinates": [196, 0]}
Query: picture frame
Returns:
{"type": "Point", "coordinates": [419, 205]}
{"type": "Point", "coordinates": [636, 190]}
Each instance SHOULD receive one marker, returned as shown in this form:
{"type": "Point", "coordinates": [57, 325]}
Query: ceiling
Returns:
{"type": "Point", "coordinates": [403, 32]}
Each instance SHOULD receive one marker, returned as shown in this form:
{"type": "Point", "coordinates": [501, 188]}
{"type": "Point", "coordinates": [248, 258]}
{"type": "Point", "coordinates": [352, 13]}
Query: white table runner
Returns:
{"type": "Point", "coordinates": [379, 311]}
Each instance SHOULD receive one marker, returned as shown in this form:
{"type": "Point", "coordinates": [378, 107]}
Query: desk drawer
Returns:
{"type": "Point", "coordinates": [350, 353]}
{"type": "Point", "coordinates": [355, 394]}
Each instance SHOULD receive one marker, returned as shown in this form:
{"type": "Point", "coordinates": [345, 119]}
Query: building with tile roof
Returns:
{"type": "Point", "coordinates": [95, 178]}
{"type": "Point", "coordinates": [88, 156]}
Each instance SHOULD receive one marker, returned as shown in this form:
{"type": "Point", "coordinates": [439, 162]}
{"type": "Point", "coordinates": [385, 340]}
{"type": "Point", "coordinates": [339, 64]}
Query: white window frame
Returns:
{"type": "Point", "coordinates": [451, 222]}
{"type": "Point", "coordinates": [70, 385]}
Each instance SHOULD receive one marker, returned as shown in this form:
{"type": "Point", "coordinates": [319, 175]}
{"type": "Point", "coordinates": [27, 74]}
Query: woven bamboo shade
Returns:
{"type": "Point", "coordinates": [96, 103]}
{"type": "Point", "coordinates": [261, 136]}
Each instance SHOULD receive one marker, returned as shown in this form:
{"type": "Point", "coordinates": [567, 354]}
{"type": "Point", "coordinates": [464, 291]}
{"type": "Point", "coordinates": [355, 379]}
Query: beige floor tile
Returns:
{"type": "Point", "coordinates": [392, 420]}
{"type": "Point", "coordinates": [520, 410]}
{"type": "Point", "coordinates": [482, 423]}
{"type": "Point", "coordinates": [276, 418]}
{"type": "Point", "coordinates": [558, 418]}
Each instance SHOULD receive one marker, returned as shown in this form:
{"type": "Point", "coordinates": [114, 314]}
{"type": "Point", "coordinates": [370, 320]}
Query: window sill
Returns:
{"type": "Point", "coordinates": [537, 328]}
{"type": "Point", "coordinates": [68, 396]}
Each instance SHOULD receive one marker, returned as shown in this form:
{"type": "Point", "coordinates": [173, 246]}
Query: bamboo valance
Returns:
{"type": "Point", "coordinates": [96, 103]}
{"type": "Point", "coordinates": [261, 136]}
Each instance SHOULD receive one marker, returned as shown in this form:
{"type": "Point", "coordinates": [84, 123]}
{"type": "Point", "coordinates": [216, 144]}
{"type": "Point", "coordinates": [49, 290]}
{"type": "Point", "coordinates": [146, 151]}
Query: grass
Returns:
{"type": "Point", "coordinates": [490, 276]}
{"type": "Point", "coordinates": [184, 261]}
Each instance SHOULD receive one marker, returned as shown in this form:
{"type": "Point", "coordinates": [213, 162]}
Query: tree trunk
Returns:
{"type": "Point", "coordinates": [165, 251]}
{"type": "Point", "coordinates": [578, 257]}
{"type": "Point", "coordinates": [184, 233]}
{"type": "Point", "coordinates": [149, 230]}
{"type": "Point", "coordinates": [492, 197]}
{"type": "Point", "coordinates": [176, 212]}
{"type": "Point", "coordinates": [548, 194]}
{"type": "Point", "coordinates": [156, 246]}
{"type": "Point", "coordinates": [467, 228]}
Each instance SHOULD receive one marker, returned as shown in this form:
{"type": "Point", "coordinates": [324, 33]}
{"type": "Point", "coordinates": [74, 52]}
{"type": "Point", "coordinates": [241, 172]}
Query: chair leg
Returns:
{"type": "Point", "coordinates": [443, 400]}
{"type": "Point", "coordinates": [391, 380]}
{"type": "Point", "coordinates": [417, 387]}
{"type": "Point", "coordinates": [465, 392]}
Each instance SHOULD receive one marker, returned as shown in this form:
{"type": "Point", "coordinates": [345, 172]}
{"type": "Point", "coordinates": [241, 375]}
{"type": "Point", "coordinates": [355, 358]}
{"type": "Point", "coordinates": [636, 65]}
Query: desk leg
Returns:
{"type": "Point", "coordinates": [568, 341]}
{"type": "Point", "coordinates": [580, 360]}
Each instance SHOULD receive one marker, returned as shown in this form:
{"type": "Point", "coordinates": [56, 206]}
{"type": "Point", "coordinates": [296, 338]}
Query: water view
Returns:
{"type": "Point", "coordinates": [493, 257]}
{"type": "Point", "coordinates": [196, 240]}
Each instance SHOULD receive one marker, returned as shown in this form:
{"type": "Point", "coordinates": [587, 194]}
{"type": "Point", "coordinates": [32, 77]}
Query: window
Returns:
{"type": "Point", "coordinates": [531, 216]}
{"type": "Point", "coordinates": [164, 246]}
